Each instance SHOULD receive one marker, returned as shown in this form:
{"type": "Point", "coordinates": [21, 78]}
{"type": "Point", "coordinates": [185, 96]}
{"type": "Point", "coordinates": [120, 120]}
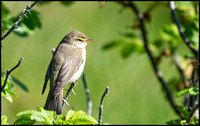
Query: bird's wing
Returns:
{"type": "Point", "coordinates": [72, 61]}
{"type": "Point", "coordinates": [48, 73]}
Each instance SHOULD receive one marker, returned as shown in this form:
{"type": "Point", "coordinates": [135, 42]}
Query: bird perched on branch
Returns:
{"type": "Point", "coordinates": [66, 66]}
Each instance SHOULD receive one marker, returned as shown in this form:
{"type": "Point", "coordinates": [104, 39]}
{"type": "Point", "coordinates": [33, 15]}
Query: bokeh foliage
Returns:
{"type": "Point", "coordinates": [133, 85]}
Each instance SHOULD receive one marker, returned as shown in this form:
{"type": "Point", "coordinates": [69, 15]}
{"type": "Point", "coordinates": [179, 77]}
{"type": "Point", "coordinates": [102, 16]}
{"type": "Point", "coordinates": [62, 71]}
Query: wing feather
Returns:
{"type": "Point", "coordinates": [72, 61]}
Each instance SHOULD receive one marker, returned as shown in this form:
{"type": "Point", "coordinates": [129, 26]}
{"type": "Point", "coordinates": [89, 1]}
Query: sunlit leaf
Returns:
{"type": "Point", "coordinates": [181, 93]}
{"type": "Point", "coordinates": [24, 121]}
{"type": "Point", "coordinates": [70, 113]}
{"type": "Point", "coordinates": [81, 118]}
{"type": "Point", "coordinates": [193, 91]}
{"type": "Point", "coordinates": [23, 118]}
{"type": "Point", "coordinates": [4, 120]}
{"type": "Point", "coordinates": [8, 89]}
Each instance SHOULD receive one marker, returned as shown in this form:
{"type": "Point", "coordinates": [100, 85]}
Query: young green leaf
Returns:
{"type": "Point", "coordinates": [70, 113]}
{"type": "Point", "coordinates": [193, 90]}
{"type": "Point", "coordinates": [182, 92]}
{"type": "Point", "coordinates": [111, 44]}
{"type": "Point", "coordinates": [81, 118]}
{"type": "Point", "coordinates": [127, 49]}
{"type": "Point", "coordinates": [8, 89]}
{"type": "Point", "coordinates": [4, 120]}
{"type": "Point", "coordinates": [23, 118]}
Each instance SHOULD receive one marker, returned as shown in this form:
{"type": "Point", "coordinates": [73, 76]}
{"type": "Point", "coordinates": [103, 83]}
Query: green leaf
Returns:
{"type": "Point", "coordinates": [174, 122]}
{"type": "Point", "coordinates": [16, 81]}
{"type": "Point", "coordinates": [127, 50]}
{"type": "Point", "coordinates": [181, 93]}
{"type": "Point", "coordinates": [61, 120]}
{"type": "Point", "coordinates": [4, 10]}
{"type": "Point", "coordinates": [67, 3]}
{"type": "Point", "coordinates": [170, 33]}
{"type": "Point", "coordinates": [129, 34]}
{"type": "Point", "coordinates": [4, 120]}
{"type": "Point", "coordinates": [184, 111]}
{"type": "Point", "coordinates": [81, 118]}
{"type": "Point", "coordinates": [194, 90]}
{"type": "Point", "coordinates": [33, 20]}
{"type": "Point", "coordinates": [111, 44]}
{"type": "Point", "coordinates": [70, 113]}
{"type": "Point", "coordinates": [44, 116]}
{"type": "Point", "coordinates": [191, 91]}
{"type": "Point", "coordinates": [158, 43]}
{"type": "Point", "coordinates": [23, 118]}
{"type": "Point", "coordinates": [27, 113]}
{"type": "Point", "coordinates": [24, 121]}
{"type": "Point", "coordinates": [29, 117]}
{"type": "Point", "coordinates": [8, 90]}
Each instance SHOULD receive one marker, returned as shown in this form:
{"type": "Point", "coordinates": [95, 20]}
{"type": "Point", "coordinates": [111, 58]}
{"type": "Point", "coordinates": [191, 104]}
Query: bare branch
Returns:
{"type": "Point", "coordinates": [185, 39]}
{"type": "Point", "coordinates": [155, 68]}
{"type": "Point", "coordinates": [28, 8]}
{"type": "Point", "coordinates": [181, 72]}
{"type": "Point", "coordinates": [192, 112]}
{"type": "Point", "coordinates": [89, 101]}
{"type": "Point", "coordinates": [68, 92]}
{"type": "Point", "coordinates": [101, 105]}
{"type": "Point", "coordinates": [9, 71]}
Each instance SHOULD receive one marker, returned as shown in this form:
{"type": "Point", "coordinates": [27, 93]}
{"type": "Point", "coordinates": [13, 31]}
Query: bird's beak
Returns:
{"type": "Point", "coordinates": [89, 40]}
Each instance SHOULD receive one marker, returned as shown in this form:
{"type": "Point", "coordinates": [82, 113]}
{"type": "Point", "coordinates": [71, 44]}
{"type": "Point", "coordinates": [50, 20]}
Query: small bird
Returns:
{"type": "Point", "coordinates": [66, 66]}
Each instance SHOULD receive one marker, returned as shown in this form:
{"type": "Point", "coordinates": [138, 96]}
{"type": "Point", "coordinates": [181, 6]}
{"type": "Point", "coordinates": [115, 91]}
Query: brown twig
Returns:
{"type": "Point", "coordinates": [155, 68]}
{"type": "Point", "coordinates": [9, 71]}
{"type": "Point", "coordinates": [185, 39]}
{"type": "Point", "coordinates": [28, 8]}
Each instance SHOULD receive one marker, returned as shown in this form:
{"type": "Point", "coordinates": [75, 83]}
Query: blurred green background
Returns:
{"type": "Point", "coordinates": [135, 96]}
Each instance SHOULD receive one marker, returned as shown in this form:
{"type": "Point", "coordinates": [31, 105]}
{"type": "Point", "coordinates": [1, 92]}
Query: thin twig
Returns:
{"type": "Point", "coordinates": [28, 8]}
{"type": "Point", "coordinates": [177, 64]}
{"type": "Point", "coordinates": [68, 92]}
{"type": "Point", "coordinates": [185, 39]}
{"type": "Point", "coordinates": [89, 101]}
{"type": "Point", "coordinates": [101, 105]}
{"type": "Point", "coordinates": [192, 112]}
{"type": "Point", "coordinates": [155, 68]}
{"type": "Point", "coordinates": [9, 71]}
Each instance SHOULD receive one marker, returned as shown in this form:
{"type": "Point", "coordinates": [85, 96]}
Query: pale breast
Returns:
{"type": "Point", "coordinates": [80, 69]}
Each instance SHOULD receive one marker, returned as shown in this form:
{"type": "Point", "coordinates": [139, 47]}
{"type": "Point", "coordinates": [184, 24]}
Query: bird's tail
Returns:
{"type": "Point", "coordinates": [54, 102]}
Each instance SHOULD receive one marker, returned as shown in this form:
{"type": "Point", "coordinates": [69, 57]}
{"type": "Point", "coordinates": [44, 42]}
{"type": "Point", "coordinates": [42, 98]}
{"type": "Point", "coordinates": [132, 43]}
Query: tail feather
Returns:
{"type": "Point", "coordinates": [54, 103]}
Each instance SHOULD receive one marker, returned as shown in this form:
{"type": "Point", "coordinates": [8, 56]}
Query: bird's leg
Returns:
{"type": "Point", "coordinates": [65, 102]}
{"type": "Point", "coordinates": [76, 82]}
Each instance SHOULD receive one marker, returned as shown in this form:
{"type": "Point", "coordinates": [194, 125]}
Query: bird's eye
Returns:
{"type": "Point", "coordinates": [80, 40]}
